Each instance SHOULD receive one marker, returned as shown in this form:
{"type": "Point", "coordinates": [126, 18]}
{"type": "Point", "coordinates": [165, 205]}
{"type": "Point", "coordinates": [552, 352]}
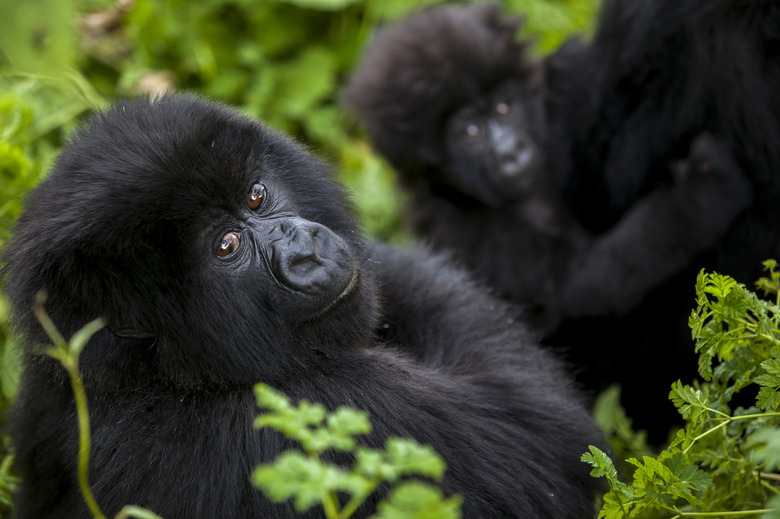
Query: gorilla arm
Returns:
{"type": "Point", "coordinates": [657, 237]}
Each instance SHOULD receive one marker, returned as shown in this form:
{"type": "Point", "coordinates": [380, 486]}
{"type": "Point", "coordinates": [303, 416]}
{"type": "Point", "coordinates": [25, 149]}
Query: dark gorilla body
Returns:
{"type": "Point", "coordinates": [220, 255]}
{"type": "Point", "coordinates": [479, 134]}
{"type": "Point", "coordinates": [656, 74]}
{"type": "Point", "coordinates": [466, 118]}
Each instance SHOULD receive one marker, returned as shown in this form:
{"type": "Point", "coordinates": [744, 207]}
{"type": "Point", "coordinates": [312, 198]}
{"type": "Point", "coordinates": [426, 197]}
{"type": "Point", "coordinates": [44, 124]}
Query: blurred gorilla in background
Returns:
{"type": "Point", "coordinates": [478, 132]}
{"type": "Point", "coordinates": [221, 254]}
{"type": "Point", "coordinates": [656, 74]}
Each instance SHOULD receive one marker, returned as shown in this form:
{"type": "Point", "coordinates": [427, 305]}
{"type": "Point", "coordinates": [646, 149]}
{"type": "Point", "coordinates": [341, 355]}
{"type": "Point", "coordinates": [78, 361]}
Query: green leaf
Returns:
{"type": "Point", "coordinates": [719, 285]}
{"type": "Point", "coordinates": [401, 457]}
{"type": "Point", "coordinates": [416, 500]}
{"type": "Point", "coordinates": [691, 403]}
{"type": "Point", "coordinates": [687, 472]}
{"type": "Point", "coordinates": [768, 397]}
{"type": "Point", "coordinates": [603, 467]}
{"type": "Point", "coordinates": [293, 475]}
{"type": "Point", "coordinates": [324, 5]}
{"type": "Point", "coordinates": [82, 336]}
{"type": "Point", "coordinates": [774, 505]}
{"type": "Point", "coordinates": [765, 448]}
{"type": "Point", "coordinates": [306, 81]}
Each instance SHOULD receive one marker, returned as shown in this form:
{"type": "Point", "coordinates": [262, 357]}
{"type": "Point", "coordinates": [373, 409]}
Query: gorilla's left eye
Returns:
{"type": "Point", "coordinates": [229, 244]}
{"type": "Point", "coordinates": [472, 130]}
{"type": "Point", "coordinates": [502, 108]}
{"type": "Point", "coordinates": [256, 196]}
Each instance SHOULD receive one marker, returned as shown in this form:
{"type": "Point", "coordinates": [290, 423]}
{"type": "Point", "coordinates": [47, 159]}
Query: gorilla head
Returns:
{"type": "Point", "coordinates": [454, 103]}
{"type": "Point", "coordinates": [131, 229]}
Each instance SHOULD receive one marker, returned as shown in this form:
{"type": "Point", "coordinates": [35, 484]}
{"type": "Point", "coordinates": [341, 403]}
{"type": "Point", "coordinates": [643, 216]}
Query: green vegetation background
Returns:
{"type": "Point", "coordinates": [280, 60]}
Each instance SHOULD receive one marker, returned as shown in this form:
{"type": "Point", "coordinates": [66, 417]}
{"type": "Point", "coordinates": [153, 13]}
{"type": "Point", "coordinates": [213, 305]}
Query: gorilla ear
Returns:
{"type": "Point", "coordinates": [127, 332]}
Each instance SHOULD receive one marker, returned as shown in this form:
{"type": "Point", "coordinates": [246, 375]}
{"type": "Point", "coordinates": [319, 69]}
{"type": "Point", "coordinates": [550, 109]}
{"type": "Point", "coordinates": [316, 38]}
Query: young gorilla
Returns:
{"type": "Point", "coordinates": [221, 254]}
{"type": "Point", "coordinates": [462, 112]}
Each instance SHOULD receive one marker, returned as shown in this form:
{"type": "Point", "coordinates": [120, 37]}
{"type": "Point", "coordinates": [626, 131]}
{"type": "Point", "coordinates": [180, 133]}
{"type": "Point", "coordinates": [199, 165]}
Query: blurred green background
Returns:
{"type": "Point", "coordinates": [283, 61]}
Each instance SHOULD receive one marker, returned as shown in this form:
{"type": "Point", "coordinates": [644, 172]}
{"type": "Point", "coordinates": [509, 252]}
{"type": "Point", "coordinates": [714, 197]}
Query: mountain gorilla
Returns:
{"type": "Point", "coordinates": [465, 115]}
{"type": "Point", "coordinates": [656, 74]}
{"type": "Point", "coordinates": [479, 134]}
{"type": "Point", "coordinates": [221, 254]}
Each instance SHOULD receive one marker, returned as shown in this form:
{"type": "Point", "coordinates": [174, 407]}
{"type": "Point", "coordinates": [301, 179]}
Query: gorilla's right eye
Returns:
{"type": "Point", "coordinates": [472, 130]}
{"type": "Point", "coordinates": [256, 196]}
{"type": "Point", "coordinates": [502, 108]}
{"type": "Point", "coordinates": [229, 244]}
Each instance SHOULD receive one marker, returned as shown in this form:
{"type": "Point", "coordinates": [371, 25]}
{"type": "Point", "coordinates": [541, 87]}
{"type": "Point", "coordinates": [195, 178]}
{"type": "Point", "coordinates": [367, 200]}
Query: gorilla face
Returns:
{"type": "Point", "coordinates": [204, 227]}
{"type": "Point", "coordinates": [493, 145]}
{"type": "Point", "coordinates": [306, 268]}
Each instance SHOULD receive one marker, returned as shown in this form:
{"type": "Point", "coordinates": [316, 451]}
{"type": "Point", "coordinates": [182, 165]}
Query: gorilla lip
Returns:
{"type": "Point", "coordinates": [351, 284]}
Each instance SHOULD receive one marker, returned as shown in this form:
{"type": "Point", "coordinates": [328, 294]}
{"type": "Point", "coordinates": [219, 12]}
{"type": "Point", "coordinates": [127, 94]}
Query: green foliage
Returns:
{"type": "Point", "coordinates": [723, 463]}
{"type": "Point", "coordinates": [308, 480]}
{"type": "Point", "coordinates": [616, 426]}
{"type": "Point", "coordinates": [550, 22]}
{"type": "Point", "coordinates": [67, 353]}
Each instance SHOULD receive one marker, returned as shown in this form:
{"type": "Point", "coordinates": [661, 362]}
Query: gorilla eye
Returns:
{"type": "Point", "coordinates": [256, 196]}
{"type": "Point", "coordinates": [502, 108]}
{"type": "Point", "coordinates": [229, 244]}
{"type": "Point", "coordinates": [472, 130]}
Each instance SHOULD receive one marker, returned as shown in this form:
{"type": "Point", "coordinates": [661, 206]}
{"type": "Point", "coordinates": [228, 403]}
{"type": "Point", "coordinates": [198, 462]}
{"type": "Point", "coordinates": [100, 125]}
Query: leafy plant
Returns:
{"type": "Point", "coordinates": [67, 353]}
{"type": "Point", "coordinates": [306, 478]}
{"type": "Point", "coordinates": [723, 463]}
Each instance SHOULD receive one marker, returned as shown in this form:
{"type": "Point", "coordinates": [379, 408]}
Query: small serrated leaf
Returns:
{"type": "Point", "coordinates": [418, 500]}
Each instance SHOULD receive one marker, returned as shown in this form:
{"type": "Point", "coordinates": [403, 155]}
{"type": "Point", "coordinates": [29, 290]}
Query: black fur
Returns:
{"type": "Point", "coordinates": [658, 73]}
{"type": "Point", "coordinates": [517, 233]}
{"type": "Point", "coordinates": [128, 225]}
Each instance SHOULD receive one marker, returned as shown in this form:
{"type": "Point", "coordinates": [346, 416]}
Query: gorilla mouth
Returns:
{"type": "Point", "coordinates": [346, 289]}
{"type": "Point", "coordinates": [518, 163]}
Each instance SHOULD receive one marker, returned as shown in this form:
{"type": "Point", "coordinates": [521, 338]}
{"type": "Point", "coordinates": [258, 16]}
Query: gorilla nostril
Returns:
{"type": "Point", "coordinates": [303, 260]}
{"type": "Point", "coordinates": [310, 258]}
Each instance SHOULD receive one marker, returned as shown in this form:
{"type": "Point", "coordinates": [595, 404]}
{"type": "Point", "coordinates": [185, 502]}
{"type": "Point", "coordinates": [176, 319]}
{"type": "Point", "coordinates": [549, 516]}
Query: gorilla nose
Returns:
{"type": "Point", "coordinates": [310, 258]}
{"type": "Point", "coordinates": [515, 162]}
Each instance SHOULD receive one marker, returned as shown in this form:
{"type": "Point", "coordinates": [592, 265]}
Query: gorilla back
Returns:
{"type": "Point", "coordinates": [221, 254]}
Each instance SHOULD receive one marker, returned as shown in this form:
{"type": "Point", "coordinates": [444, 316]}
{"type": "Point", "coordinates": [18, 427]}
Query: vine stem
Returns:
{"type": "Point", "coordinates": [137, 512]}
{"type": "Point", "coordinates": [769, 475]}
{"type": "Point", "coordinates": [705, 433]}
{"type": "Point", "coordinates": [722, 514]}
{"type": "Point", "coordinates": [329, 506]}
{"type": "Point", "coordinates": [727, 421]}
{"type": "Point", "coordinates": [85, 439]}
{"type": "Point", "coordinates": [358, 500]}
{"type": "Point", "coordinates": [69, 361]}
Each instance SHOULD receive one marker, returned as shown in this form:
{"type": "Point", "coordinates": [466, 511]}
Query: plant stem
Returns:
{"type": "Point", "coordinates": [723, 514]}
{"type": "Point", "coordinates": [85, 439]}
{"type": "Point", "coordinates": [330, 506]}
{"type": "Point", "coordinates": [768, 475]}
{"type": "Point", "coordinates": [357, 500]}
{"type": "Point", "coordinates": [137, 512]}
{"type": "Point", "coordinates": [705, 433]}
{"type": "Point", "coordinates": [69, 361]}
{"type": "Point", "coordinates": [727, 421]}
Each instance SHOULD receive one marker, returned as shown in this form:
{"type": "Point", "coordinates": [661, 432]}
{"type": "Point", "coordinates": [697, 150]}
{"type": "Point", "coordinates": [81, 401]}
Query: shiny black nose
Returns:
{"type": "Point", "coordinates": [309, 257]}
